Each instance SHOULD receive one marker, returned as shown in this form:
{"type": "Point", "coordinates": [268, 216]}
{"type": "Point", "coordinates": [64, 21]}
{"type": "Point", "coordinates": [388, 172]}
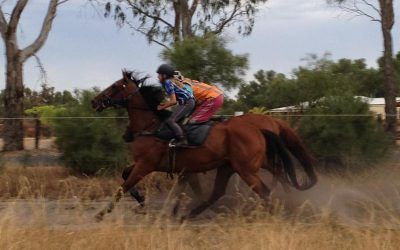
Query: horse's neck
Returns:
{"type": "Point", "coordinates": [143, 120]}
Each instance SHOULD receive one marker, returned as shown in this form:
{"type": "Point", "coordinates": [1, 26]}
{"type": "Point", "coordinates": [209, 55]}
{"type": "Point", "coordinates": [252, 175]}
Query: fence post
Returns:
{"type": "Point", "coordinates": [37, 131]}
{"type": "Point", "coordinates": [236, 178]}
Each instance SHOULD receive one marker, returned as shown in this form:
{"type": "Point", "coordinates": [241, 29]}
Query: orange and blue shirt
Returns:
{"type": "Point", "coordinates": [182, 94]}
{"type": "Point", "coordinates": [202, 91]}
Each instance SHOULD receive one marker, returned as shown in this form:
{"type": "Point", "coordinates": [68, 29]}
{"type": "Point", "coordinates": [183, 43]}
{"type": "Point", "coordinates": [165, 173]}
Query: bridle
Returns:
{"type": "Point", "coordinates": [123, 102]}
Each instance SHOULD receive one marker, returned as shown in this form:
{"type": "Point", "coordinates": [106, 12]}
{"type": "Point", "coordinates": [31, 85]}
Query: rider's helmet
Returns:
{"type": "Point", "coordinates": [166, 69]}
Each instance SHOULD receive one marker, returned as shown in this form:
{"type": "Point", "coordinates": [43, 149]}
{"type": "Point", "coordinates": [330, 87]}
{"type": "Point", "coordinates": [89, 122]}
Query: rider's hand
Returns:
{"type": "Point", "coordinates": [160, 107]}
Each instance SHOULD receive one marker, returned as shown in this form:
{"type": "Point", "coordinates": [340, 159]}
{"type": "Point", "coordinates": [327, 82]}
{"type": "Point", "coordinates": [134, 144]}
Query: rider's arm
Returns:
{"type": "Point", "coordinates": [172, 102]}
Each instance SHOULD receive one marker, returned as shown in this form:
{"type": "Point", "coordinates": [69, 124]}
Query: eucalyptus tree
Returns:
{"type": "Point", "coordinates": [380, 11]}
{"type": "Point", "coordinates": [15, 58]}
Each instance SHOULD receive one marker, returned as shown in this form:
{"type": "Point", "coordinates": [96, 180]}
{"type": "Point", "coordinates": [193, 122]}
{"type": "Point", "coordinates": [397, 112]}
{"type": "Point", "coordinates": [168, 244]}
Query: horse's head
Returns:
{"type": "Point", "coordinates": [118, 93]}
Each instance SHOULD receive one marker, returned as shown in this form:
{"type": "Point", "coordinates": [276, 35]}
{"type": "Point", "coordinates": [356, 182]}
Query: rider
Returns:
{"type": "Point", "coordinates": [209, 98]}
{"type": "Point", "coordinates": [177, 95]}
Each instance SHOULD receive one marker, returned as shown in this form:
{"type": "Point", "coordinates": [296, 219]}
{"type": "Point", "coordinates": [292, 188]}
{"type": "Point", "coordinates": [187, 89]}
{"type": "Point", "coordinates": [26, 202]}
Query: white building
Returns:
{"type": "Point", "coordinates": [376, 105]}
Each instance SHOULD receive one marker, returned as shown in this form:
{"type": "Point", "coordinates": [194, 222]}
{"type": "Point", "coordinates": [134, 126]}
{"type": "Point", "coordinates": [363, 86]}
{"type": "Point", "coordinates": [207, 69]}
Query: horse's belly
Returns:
{"type": "Point", "coordinates": [196, 161]}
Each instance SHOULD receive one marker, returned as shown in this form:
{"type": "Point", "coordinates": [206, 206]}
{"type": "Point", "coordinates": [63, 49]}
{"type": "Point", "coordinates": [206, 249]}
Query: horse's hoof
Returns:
{"type": "Point", "coordinates": [184, 218]}
{"type": "Point", "coordinates": [188, 217]}
{"type": "Point", "coordinates": [99, 217]}
{"type": "Point", "coordinates": [175, 210]}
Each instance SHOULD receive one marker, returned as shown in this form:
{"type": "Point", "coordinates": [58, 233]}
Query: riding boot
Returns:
{"type": "Point", "coordinates": [182, 141]}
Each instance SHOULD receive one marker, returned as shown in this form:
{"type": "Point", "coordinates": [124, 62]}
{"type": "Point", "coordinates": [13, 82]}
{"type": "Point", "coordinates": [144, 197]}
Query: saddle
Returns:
{"type": "Point", "coordinates": [196, 134]}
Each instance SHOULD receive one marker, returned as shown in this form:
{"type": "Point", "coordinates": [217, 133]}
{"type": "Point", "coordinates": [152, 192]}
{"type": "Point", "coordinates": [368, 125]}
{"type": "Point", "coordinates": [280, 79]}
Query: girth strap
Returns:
{"type": "Point", "coordinates": [171, 155]}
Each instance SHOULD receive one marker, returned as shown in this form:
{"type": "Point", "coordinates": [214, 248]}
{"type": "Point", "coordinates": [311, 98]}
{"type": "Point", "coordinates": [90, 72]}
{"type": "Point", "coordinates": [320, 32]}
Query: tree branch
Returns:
{"type": "Point", "coordinates": [16, 15]}
{"type": "Point", "coordinates": [193, 8]}
{"type": "Point", "coordinates": [148, 37]}
{"type": "Point", "coordinates": [3, 25]}
{"type": "Point", "coordinates": [220, 26]}
{"type": "Point", "coordinates": [158, 18]}
{"type": "Point", "coordinates": [44, 33]}
{"type": "Point", "coordinates": [354, 8]}
{"type": "Point", "coordinates": [62, 1]}
{"type": "Point", "coordinates": [372, 6]}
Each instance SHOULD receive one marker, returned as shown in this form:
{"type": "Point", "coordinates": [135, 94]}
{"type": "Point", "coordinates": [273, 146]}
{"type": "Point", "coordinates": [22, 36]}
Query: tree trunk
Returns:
{"type": "Point", "coordinates": [38, 128]}
{"type": "Point", "coordinates": [13, 100]}
{"type": "Point", "coordinates": [177, 24]}
{"type": "Point", "coordinates": [186, 20]}
{"type": "Point", "coordinates": [387, 21]}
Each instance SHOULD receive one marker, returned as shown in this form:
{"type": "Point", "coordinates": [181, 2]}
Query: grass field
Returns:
{"type": "Point", "coordinates": [48, 208]}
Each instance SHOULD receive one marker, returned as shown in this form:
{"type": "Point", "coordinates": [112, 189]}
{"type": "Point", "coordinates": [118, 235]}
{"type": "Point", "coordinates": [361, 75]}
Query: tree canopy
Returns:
{"type": "Point", "coordinates": [208, 60]}
{"type": "Point", "coordinates": [165, 22]}
{"type": "Point", "coordinates": [319, 77]}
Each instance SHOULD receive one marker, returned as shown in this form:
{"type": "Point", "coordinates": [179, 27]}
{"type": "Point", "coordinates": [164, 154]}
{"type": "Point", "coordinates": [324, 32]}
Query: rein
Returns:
{"type": "Point", "coordinates": [124, 101]}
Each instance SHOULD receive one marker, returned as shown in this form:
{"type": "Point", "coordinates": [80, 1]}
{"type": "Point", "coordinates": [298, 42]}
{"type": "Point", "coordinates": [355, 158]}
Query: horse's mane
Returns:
{"type": "Point", "coordinates": [153, 96]}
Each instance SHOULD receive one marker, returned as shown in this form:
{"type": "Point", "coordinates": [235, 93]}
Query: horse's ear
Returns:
{"type": "Point", "coordinates": [125, 74]}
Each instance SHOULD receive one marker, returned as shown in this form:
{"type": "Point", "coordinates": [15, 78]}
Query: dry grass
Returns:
{"type": "Point", "coordinates": [57, 183]}
{"type": "Point", "coordinates": [52, 183]}
{"type": "Point", "coordinates": [47, 208]}
{"type": "Point", "coordinates": [259, 231]}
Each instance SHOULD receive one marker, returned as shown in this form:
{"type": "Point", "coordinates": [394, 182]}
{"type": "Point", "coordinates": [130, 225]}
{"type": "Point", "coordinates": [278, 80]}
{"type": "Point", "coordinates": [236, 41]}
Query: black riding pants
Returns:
{"type": "Point", "coordinates": [180, 112]}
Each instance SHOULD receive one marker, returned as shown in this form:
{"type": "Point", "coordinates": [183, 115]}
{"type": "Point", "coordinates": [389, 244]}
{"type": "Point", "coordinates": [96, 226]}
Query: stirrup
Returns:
{"type": "Point", "coordinates": [178, 143]}
{"type": "Point", "coordinates": [171, 143]}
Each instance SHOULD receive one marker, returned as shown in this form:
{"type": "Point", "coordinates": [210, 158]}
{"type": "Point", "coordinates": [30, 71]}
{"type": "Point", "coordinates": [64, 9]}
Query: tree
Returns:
{"type": "Point", "coordinates": [320, 77]}
{"type": "Point", "coordinates": [269, 89]}
{"type": "Point", "coordinates": [15, 59]}
{"type": "Point", "coordinates": [47, 96]}
{"type": "Point", "coordinates": [165, 22]}
{"type": "Point", "coordinates": [89, 146]}
{"type": "Point", "coordinates": [384, 14]}
{"type": "Point", "coordinates": [1, 103]}
{"type": "Point", "coordinates": [347, 141]}
{"type": "Point", "coordinates": [208, 60]}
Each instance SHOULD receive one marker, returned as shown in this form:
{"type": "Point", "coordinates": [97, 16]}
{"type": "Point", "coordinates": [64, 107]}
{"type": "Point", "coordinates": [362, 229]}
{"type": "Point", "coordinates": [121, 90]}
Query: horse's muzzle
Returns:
{"type": "Point", "coordinates": [98, 105]}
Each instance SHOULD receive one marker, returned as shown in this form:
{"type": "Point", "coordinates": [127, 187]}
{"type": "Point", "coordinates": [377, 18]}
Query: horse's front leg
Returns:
{"type": "Point", "coordinates": [138, 173]}
{"type": "Point", "coordinates": [184, 180]}
{"type": "Point", "coordinates": [133, 191]}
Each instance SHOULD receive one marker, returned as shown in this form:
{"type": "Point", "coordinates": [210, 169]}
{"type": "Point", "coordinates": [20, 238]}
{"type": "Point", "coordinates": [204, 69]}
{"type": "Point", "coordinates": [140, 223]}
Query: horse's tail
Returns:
{"type": "Point", "coordinates": [295, 145]}
{"type": "Point", "coordinates": [276, 147]}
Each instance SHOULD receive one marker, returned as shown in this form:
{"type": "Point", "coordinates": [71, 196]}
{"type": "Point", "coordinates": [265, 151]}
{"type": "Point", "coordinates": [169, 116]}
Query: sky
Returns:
{"type": "Point", "coordinates": [84, 49]}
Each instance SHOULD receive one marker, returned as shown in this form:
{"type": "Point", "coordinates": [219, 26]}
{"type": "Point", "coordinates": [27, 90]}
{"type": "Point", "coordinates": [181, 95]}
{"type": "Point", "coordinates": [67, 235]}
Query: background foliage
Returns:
{"type": "Point", "coordinates": [343, 140]}
{"type": "Point", "coordinates": [207, 59]}
{"type": "Point", "coordinates": [90, 146]}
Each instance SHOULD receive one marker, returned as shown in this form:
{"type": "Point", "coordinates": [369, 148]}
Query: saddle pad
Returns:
{"type": "Point", "coordinates": [196, 134]}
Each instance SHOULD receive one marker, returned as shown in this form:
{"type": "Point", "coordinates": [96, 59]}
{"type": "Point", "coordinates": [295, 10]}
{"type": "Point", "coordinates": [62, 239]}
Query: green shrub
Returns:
{"type": "Point", "coordinates": [343, 140]}
{"type": "Point", "coordinates": [90, 145]}
{"type": "Point", "coordinates": [44, 112]}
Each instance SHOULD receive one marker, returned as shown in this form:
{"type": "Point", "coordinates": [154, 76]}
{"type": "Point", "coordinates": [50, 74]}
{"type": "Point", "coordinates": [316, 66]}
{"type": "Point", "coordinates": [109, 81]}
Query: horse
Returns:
{"type": "Point", "coordinates": [287, 136]}
{"type": "Point", "coordinates": [232, 146]}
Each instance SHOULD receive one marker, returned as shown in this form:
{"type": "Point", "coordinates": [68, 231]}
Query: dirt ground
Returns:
{"type": "Point", "coordinates": [29, 143]}
{"type": "Point", "coordinates": [42, 205]}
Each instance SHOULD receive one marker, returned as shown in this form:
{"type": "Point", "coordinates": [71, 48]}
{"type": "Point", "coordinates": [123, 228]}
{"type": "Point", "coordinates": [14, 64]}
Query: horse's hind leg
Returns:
{"type": "Point", "coordinates": [221, 181]}
{"type": "Point", "coordinates": [194, 183]}
{"type": "Point", "coordinates": [257, 185]}
{"type": "Point", "coordinates": [184, 180]}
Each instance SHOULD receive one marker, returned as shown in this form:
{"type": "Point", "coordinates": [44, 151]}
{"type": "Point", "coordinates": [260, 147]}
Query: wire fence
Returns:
{"type": "Point", "coordinates": [217, 116]}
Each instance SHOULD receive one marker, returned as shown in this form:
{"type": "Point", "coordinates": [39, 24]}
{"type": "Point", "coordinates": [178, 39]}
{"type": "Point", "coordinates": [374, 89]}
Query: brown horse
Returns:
{"type": "Point", "coordinates": [236, 145]}
{"type": "Point", "coordinates": [287, 136]}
